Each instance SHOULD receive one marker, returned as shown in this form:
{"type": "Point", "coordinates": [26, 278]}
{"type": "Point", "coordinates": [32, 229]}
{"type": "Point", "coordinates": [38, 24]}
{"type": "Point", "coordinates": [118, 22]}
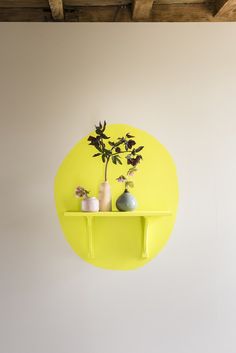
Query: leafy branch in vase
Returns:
{"type": "Point", "coordinates": [110, 150]}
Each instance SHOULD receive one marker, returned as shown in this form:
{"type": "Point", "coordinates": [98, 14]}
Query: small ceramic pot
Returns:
{"type": "Point", "coordinates": [105, 197]}
{"type": "Point", "coordinates": [90, 204]}
{"type": "Point", "coordinates": [126, 202]}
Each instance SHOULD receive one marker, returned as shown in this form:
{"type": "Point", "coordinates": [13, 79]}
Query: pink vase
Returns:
{"type": "Point", "coordinates": [90, 204]}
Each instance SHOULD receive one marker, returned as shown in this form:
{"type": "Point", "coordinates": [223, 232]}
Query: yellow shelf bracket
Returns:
{"type": "Point", "coordinates": [145, 253]}
{"type": "Point", "coordinates": [90, 237]}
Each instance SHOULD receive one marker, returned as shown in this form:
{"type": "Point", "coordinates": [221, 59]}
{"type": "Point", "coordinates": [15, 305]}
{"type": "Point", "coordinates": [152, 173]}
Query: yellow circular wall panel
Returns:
{"type": "Point", "coordinates": [126, 240]}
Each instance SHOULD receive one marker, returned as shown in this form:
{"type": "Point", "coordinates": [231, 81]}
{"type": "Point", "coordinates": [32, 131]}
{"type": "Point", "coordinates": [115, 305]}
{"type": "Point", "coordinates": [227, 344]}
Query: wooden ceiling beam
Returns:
{"type": "Point", "coordinates": [225, 8]}
{"type": "Point", "coordinates": [67, 3]}
{"type": "Point", "coordinates": [183, 13]}
{"type": "Point", "coordinates": [57, 9]}
{"type": "Point", "coordinates": [25, 15]}
{"type": "Point", "coordinates": [96, 2]}
{"type": "Point", "coordinates": [160, 13]}
{"type": "Point", "coordinates": [24, 3]}
{"type": "Point", "coordinates": [142, 9]}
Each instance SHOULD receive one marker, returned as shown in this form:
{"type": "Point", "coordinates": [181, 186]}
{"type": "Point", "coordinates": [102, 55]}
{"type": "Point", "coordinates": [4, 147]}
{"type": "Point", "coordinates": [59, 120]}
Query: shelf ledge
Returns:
{"type": "Point", "coordinates": [118, 214]}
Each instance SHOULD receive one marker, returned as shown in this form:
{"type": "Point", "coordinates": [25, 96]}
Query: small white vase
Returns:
{"type": "Point", "coordinates": [105, 197]}
{"type": "Point", "coordinates": [90, 204]}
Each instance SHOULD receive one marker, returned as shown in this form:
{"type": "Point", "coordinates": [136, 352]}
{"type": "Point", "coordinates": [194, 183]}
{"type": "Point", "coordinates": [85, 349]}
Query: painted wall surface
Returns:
{"type": "Point", "coordinates": [177, 81]}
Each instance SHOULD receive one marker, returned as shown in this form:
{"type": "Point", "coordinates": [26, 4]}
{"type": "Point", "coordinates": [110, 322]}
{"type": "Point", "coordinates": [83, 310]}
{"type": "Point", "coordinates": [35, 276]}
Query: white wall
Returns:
{"type": "Point", "coordinates": [177, 81]}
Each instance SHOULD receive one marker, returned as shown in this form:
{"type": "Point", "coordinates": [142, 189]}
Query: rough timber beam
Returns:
{"type": "Point", "coordinates": [57, 10]}
{"type": "Point", "coordinates": [142, 9]}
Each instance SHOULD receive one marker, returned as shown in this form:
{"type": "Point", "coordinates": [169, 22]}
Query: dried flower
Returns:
{"type": "Point", "coordinates": [132, 171]}
{"type": "Point", "coordinates": [81, 192]}
{"type": "Point", "coordinates": [123, 179]}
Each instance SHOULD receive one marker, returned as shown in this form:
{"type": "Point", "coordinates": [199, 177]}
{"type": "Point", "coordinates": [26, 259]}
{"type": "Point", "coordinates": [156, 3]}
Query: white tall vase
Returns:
{"type": "Point", "coordinates": [105, 197]}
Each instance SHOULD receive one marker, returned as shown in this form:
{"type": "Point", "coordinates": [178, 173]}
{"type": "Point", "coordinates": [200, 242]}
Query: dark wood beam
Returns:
{"type": "Point", "coordinates": [142, 9]}
{"type": "Point", "coordinates": [25, 15]}
{"type": "Point", "coordinates": [67, 3]}
{"type": "Point", "coordinates": [225, 8]}
{"type": "Point", "coordinates": [57, 10]}
{"type": "Point", "coordinates": [96, 2]}
{"type": "Point", "coordinates": [183, 13]}
{"type": "Point", "coordinates": [24, 3]}
{"type": "Point", "coordinates": [160, 13]}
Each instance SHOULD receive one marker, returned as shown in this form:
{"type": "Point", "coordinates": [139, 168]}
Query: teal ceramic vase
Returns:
{"type": "Point", "coordinates": [126, 202]}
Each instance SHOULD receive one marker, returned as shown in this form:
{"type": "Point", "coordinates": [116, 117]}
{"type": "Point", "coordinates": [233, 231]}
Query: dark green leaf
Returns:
{"type": "Point", "coordinates": [105, 137]}
{"type": "Point", "coordinates": [119, 143]}
{"type": "Point", "coordinates": [118, 160]}
{"type": "Point", "coordinates": [104, 126]}
{"type": "Point", "coordinates": [98, 131]}
{"type": "Point", "coordinates": [117, 149]}
{"type": "Point", "coordinates": [114, 160]}
{"type": "Point", "coordinates": [131, 143]}
{"type": "Point", "coordinates": [107, 152]}
{"type": "Point", "coordinates": [97, 154]}
{"type": "Point", "coordinates": [93, 139]}
{"type": "Point", "coordinates": [139, 149]}
{"type": "Point", "coordinates": [98, 148]}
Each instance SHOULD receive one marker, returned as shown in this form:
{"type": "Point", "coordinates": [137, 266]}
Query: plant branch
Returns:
{"type": "Point", "coordinates": [106, 167]}
{"type": "Point", "coordinates": [115, 154]}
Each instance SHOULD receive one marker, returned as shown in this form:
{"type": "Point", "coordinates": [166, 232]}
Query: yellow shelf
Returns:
{"type": "Point", "coordinates": [118, 214]}
{"type": "Point", "coordinates": [145, 215]}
